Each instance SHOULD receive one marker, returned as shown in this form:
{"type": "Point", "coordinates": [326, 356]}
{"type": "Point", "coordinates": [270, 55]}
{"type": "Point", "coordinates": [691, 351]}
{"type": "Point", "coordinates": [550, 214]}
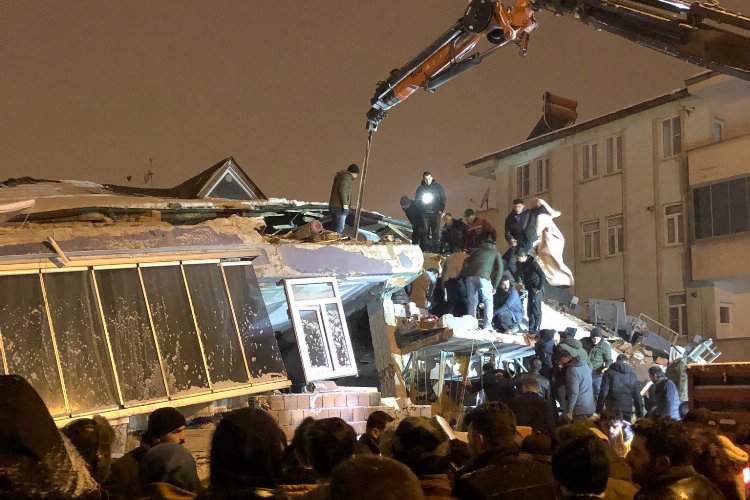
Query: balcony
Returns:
{"type": "Point", "coordinates": [719, 161]}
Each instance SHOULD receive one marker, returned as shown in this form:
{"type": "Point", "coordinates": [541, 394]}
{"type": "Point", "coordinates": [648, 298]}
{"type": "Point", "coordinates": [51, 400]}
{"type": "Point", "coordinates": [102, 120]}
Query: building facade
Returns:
{"type": "Point", "coordinates": [655, 202]}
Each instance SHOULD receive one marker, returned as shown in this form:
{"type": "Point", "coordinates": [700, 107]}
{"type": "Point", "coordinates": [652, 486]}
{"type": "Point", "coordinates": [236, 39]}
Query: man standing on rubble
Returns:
{"type": "Point", "coordinates": [341, 197]}
{"type": "Point", "coordinates": [534, 281]}
{"type": "Point", "coordinates": [411, 210]}
{"type": "Point", "coordinates": [520, 227]}
{"type": "Point", "coordinates": [600, 356]}
{"type": "Point", "coordinates": [477, 230]}
{"type": "Point", "coordinates": [482, 271]}
{"type": "Point", "coordinates": [430, 197]}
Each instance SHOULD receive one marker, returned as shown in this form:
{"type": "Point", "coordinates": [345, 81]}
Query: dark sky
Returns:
{"type": "Point", "coordinates": [92, 90]}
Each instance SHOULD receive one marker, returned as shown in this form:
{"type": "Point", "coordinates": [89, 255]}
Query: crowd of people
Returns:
{"type": "Point", "coordinates": [414, 458]}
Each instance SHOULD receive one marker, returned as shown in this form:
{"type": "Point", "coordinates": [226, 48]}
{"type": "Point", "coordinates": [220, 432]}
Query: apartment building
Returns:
{"type": "Point", "coordinates": [655, 202]}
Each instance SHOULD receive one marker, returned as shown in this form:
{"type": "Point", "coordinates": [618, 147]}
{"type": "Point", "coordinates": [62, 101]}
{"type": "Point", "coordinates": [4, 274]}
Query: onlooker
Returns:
{"type": "Point", "coordinates": [666, 398]}
{"type": "Point", "coordinates": [532, 410]}
{"type": "Point", "coordinates": [579, 393]}
{"type": "Point", "coordinates": [534, 281]}
{"type": "Point", "coordinates": [165, 425]}
{"type": "Point", "coordinates": [421, 445]}
{"type": "Point", "coordinates": [520, 226]}
{"type": "Point", "coordinates": [660, 456]}
{"type": "Point", "coordinates": [508, 307]}
{"type": "Point", "coordinates": [297, 469]}
{"type": "Point", "coordinates": [482, 271]}
{"type": "Point", "coordinates": [600, 356]}
{"type": "Point", "coordinates": [168, 471]}
{"type": "Point", "coordinates": [477, 230]}
{"type": "Point", "coordinates": [454, 284]}
{"type": "Point", "coordinates": [544, 349]}
{"type": "Point", "coordinates": [430, 197]}
{"type": "Point", "coordinates": [712, 457]}
{"type": "Point", "coordinates": [497, 470]}
{"type": "Point", "coordinates": [246, 452]}
{"type": "Point", "coordinates": [414, 216]}
{"type": "Point", "coordinates": [677, 372]}
{"type": "Point", "coordinates": [367, 477]}
{"type": "Point", "coordinates": [341, 197]}
{"type": "Point", "coordinates": [93, 439]}
{"type": "Point", "coordinates": [620, 390]}
{"type": "Point", "coordinates": [328, 442]}
{"type": "Point", "coordinates": [453, 235]}
{"type": "Point", "coordinates": [369, 442]}
{"type": "Point", "coordinates": [581, 468]}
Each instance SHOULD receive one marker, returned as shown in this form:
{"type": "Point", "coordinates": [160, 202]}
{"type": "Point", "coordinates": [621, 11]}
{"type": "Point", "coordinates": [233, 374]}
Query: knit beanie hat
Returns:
{"type": "Point", "coordinates": [163, 421]}
{"type": "Point", "coordinates": [596, 332]}
{"type": "Point", "coordinates": [353, 168]}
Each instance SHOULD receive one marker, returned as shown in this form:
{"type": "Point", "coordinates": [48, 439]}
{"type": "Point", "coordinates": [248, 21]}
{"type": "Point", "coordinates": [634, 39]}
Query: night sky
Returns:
{"type": "Point", "coordinates": [92, 90]}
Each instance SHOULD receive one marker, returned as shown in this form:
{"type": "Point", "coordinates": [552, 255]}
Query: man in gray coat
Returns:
{"type": "Point", "coordinates": [483, 270]}
{"type": "Point", "coordinates": [579, 394]}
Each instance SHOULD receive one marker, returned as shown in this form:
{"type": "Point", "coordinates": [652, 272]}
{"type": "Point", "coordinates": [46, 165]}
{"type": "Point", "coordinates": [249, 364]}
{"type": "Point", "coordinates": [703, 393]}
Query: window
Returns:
{"type": "Point", "coordinates": [724, 315]}
{"type": "Point", "coordinates": [542, 175]}
{"type": "Point", "coordinates": [613, 146]}
{"type": "Point", "coordinates": [590, 240]}
{"type": "Point", "coordinates": [615, 235]}
{"type": "Point", "coordinates": [589, 159]}
{"type": "Point", "coordinates": [673, 225]}
{"type": "Point", "coordinates": [678, 313]}
{"type": "Point", "coordinates": [523, 181]}
{"type": "Point", "coordinates": [671, 137]}
{"type": "Point", "coordinates": [718, 130]}
{"type": "Point", "coordinates": [722, 208]}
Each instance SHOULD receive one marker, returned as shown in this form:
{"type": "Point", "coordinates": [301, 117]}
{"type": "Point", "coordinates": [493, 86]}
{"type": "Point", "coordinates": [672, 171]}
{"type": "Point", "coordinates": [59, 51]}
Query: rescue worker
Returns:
{"type": "Point", "coordinates": [341, 197]}
{"type": "Point", "coordinates": [430, 197]}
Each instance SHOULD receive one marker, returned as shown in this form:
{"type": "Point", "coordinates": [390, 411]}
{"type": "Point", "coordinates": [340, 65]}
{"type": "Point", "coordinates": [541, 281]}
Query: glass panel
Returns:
{"type": "Point", "coordinates": [313, 291]}
{"type": "Point", "coordinates": [620, 239]}
{"type": "Point", "coordinates": [614, 222]}
{"type": "Point", "coordinates": [673, 209]}
{"type": "Point", "coordinates": [683, 321]}
{"type": "Point", "coordinates": [718, 131]}
{"type": "Point", "coordinates": [738, 213]}
{"type": "Point", "coordinates": [317, 350]}
{"type": "Point", "coordinates": [677, 299]}
{"type": "Point", "coordinates": [27, 340]}
{"type": "Point", "coordinates": [612, 241]}
{"type": "Point", "coordinates": [261, 349]}
{"type": "Point", "coordinates": [546, 174]}
{"type": "Point", "coordinates": [724, 315]}
{"type": "Point", "coordinates": [585, 162]}
{"type": "Point", "coordinates": [720, 208]}
{"type": "Point", "coordinates": [130, 335]}
{"type": "Point", "coordinates": [539, 176]}
{"type": "Point", "coordinates": [216, 326]}
{"type": "Point", "coordinates": [84, 357]}
{"type": "Point", "coordinates": [610, 153]}
{"type": "Point", "coordinates": [666, 136]}
{"type": "Point", "coordinates": [175, 330]}
{"type": "Point", "coordinates": [340, 339]}
{"type": "Point", "coordinates": [587, 246]}
{"type": "Point", "coordinates": [674, 319]}
{"type": "Point", "coordinates": [596, 244]}
{"type": "Point", "coordinates": [230, 189]}
{"type": "Point", "coordinates": [619, 153]}
{"type": "Point", "coordinates": [671, 236]}
{"type": "Point", "coordinates": [676, 135]}
{"type": "Point", "coordinates": [594, 160]}
{"type": "Point", "coordinates": [702, 212]}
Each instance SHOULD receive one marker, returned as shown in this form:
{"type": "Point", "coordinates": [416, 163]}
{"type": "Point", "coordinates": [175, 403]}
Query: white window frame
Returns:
{"type": "Point", "coordinates": [718, 124]}
{"type": "Point", "coordinates": [589, 156]}
{"type": "Point", "coordinates": [617, 229]}
{"type": "Point", "coordinates": [677, 221]}
{"type": "Point", "coordinates": [673, 146]}
{"type": "Point", "coordinates": [681, 310]}
{"type": "Point", "coordinates": [613, 154]}
{"type": "Point", "coordinates": [541, 174]}
{"type": "Point", "coordinates": [591, 240]}
{"type": "Point", "coordinates": [523, 180]}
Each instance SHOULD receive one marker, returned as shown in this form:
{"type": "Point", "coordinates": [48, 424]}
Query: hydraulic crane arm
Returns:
{"type": "Point", "coordinates": [700, 33]}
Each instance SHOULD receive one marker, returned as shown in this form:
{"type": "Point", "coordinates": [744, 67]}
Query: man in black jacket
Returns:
{"type": "Point", "coordinates": [414, 216]}
{"type": "Point", "coordinates": [430, 198]}
{"type": "Point", "coordinates": [620, 390]}
{"type": "Point", "coordinates": [520, 227]}
{"type": "Point", "coordinates": [369, 442]}
{"type": "Point", "coordinates": [532, 410]}
{"type": "Point", "coordinates": [533, 280]}
{"type": "Point", "coordinates": [453, 235]}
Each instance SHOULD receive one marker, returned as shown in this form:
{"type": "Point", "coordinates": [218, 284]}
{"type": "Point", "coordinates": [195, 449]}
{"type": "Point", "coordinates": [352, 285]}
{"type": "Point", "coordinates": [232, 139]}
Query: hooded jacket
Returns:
{"type": "Point", "coordinates": [666, 399]}
{"type": "Point", "coordinates": [341, 191]}
{"type": "Point", "coordinates": [486, 263]}
{"type": "Point", "coordinates": [453, 237]}
{"type": "Point", "coordinates": [575, 348]}
{"type": "Point", "coordinates": [600, 356]}
{"type": "Point", "coordinates": [579, 392]}
{"type": "Point", "coordinates": [620, 390]}
{"type": "Point", "coordinates": [677, 483]}
{"type": "Point", "coordinates": [544, 350]}
{"type": "Point", "coordinates": [510, 303]}
{"type": "Point", "coordinates": [437, 203]}
{"type": "Point", "coordinates": [478, 231]}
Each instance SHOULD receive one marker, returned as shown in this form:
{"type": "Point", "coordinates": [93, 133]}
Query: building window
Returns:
{"type": "Point", "coordinates": [615, 235]}
{"type": "Point", "coordinates": [613, 146]}
{"type": "Point", "coordinates": [673, 225]}
{"type": "Point", "coordinates": [590, 240]}
{"type": "Point", "coordinates": [678, 313]}
{"type": "Point", "coordinates": [671, 137]}
{"type": "Point", "coordinates": [522, 180]}
{"type": "Point", "coordinates": [542, 175]}
{"type": "Point", "coordinates": [724, 315]}
{"type": "Point", "coordinates": [722, 208]}
{"type": "Point", "coordinates": [589, 161]}
{"type": "Point", "coordinates": [718, 130]}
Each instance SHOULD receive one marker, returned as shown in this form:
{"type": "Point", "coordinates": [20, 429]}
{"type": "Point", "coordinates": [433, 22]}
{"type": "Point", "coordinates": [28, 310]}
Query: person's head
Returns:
{"type": "Point", "coordinates": [535, 366]}
{"type": "Point", "coordinates": [370, 477]}
{"type": "Point", "coordinates": [405, 202]}
{"type": "Point", "coordinates": [298, 442]}
{"type": "Point", "coordinates": [488, 368]}
{"type": "Point", "coordinates": [522, 256]}
{"type": "Point", "coordinates": [170, 463]}
{"type": "Point", "coordinates": [537, 444]}
{"type": "Point", "coordinates": [701, 416]}
{"type": "Point", "coordinates": [656, 373]}
{"type": "Point", "coordinates": [491, 425]}
{"type": "Point", "coordinates": [376, 424]}
{"type": "Point", "coordinates": [546, 334]}
{"type": "Point", "coordinates": [427, 177]}
{"type": "Point", "coordinates": [530, 385]}
{"type": "Point", "coordinates": [93, 438]}
{"type": "Point", "coordinates": [469, 215]}
{"type": "Point", "coordinates": [328, 442]}
{"type": "Point", "coordinates": [166, 425]}
{"type": "Point", "coordinates": [518, 205]}
{"type": "Point", "coordinates": [353, 169]}
{"type": "Point", "coordinates": [581, 466]}
{"type": "Point", "coordinates": [569, 332]}
{"type": "Point", "coordinates": [447, 219]}
{"type": "Point", "coordinates": [421, 445]}
{"type": "Point", "coordinates": [596, 335]}
{"type": "Point", "coordinates": [622, 358]}
{"type": "Point", "coordinates": [246, 451]}
{"type": "Point", "coordinates": [505, 283]}
{"type": "Point", "coordinates": [658, 444]}
{"type": "Point", "coordinates": [566, 357]}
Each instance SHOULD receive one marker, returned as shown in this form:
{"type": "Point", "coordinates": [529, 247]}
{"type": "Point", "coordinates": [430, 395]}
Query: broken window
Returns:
{"type": "Point", "coordinates": [590, 240]}
{"type": "Point", "coordinates": [673, 224]}
{"type": "Point", "coordinates": [320, 326]}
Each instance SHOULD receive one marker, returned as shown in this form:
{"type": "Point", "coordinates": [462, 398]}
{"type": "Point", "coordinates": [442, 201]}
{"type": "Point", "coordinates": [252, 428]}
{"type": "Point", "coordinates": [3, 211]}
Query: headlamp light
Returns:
{"type": "Point", "coordinates": [427, 198]}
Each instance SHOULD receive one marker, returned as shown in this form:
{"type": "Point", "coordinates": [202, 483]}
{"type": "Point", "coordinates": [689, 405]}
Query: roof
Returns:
{"type": "Point", "coordinates": [596, 122]}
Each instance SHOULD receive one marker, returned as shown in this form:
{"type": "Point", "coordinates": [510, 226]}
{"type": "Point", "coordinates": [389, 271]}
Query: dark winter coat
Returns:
{"type": "Point", "coordinates": [341, 191]}
{"type": "Point", "coordinates": [531, 274]}
{"type": "Point", "coordinates": [509, 302]}
{"type": "Point", "coordinates": [544, 350]}
{"type": "Point", "coordinates": [575, 348]}
{"type": "Point", "coordinates": [436, 486]}
{"type": "Point", "coordinates": [544, 390]}
{"type": "Point", "coordinates": [666, 400]}
{"type": "Point", "coordinates": [504, 474]}
{"type": "Point", "coordinates": [484, 262]}
{"type": "Point", "coordinates": [453, 237]}
{"type": "Point", "coordinates": [478, 231]}
{"type": "Point", "coordinates": [678, 483]}
{"type": "Point", "coordinates": [620, 390]}
{"type": "Point", "coordinates": [496, 387]}
{"type": "Point", "coordinates": [579, 392]}
{"type": "Point", "coordinates": [366, 445]}
{"type": "Point", "coordinates": [170, 463]}
{"type": "Point", "coordinates": [521, 227]}
{"type": "Point", "coordinates": [600, 356]}
{"type": "Point", "coordinates": [414, 216]}
{"type": "Point", "coordinates": [533, 411]}
{"type": "Point", "coordinates": [438, 197]}
{"type": "Point", "coordinates": [124, 479]}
